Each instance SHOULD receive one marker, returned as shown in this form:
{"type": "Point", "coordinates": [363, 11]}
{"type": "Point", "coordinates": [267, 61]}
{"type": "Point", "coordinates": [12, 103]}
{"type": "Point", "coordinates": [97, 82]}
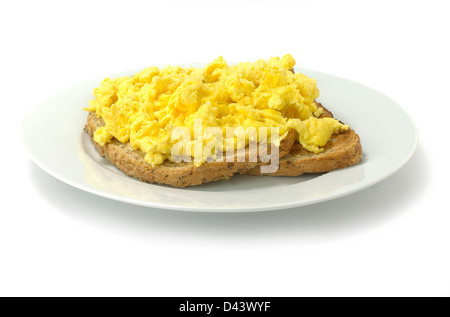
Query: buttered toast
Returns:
{"type": "Point", "coordinates": [342, 150]}
{"type": "Point", "coordinates": [181, 174]}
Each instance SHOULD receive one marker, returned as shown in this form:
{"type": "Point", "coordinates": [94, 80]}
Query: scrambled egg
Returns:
{"type": "Point", "coordinates": [145, 108]}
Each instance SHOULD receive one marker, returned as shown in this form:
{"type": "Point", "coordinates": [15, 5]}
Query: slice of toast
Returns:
{"type": "Point", "coordinates": [182, 174]}
{"type": "Point", "coordinates": [342, 150]}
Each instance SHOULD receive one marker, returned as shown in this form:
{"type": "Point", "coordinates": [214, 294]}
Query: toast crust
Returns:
{"type": "Point", "coordinates": [182, 174]}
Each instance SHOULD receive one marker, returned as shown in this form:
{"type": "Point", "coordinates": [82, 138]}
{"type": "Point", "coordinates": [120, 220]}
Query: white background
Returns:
{"type": "Point", "coordinates": [391, 239]}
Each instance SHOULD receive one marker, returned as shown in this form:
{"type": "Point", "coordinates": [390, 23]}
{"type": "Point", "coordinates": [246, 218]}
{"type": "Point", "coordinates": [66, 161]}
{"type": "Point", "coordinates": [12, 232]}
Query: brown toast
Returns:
{"type": "Point", "coordinates": [342, 150]}
{"type": "Point", "coordinates": [182, 174]}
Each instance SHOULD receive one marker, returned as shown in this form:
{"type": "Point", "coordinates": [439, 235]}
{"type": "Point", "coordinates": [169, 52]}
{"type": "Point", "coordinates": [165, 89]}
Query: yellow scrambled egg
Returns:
{"type": "Point", "coordinates": [145, 108]}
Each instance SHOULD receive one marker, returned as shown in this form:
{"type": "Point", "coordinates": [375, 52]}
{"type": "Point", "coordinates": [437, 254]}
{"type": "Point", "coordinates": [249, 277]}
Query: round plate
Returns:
{"type": "Point", "coordinates": [53, 134]}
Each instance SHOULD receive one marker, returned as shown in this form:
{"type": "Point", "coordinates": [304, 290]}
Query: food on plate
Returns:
{"type": "Point", "coordinates": [189, 126]}
{"type": "Point", "coordinates": [342, 150]}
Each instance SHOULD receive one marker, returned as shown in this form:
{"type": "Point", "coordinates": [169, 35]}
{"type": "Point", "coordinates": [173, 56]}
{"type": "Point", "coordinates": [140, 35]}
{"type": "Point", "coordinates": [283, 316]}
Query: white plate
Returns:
{"type": "Point", "coordinates": [53, 134]}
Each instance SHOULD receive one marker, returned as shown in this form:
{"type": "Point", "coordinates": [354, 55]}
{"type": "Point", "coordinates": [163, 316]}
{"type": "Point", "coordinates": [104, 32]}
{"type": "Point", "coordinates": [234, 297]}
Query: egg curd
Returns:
{"type": "Point", "coordinates": [145, 108]}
